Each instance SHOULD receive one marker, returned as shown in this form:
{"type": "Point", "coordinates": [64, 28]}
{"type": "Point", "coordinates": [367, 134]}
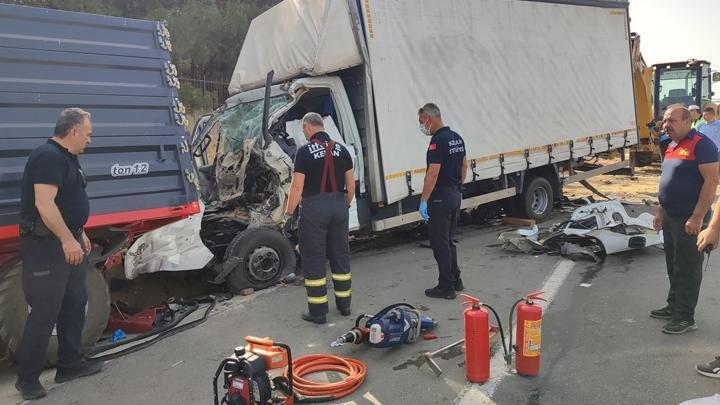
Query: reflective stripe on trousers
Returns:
{"type": "Point", "coordinates": [323, 232]}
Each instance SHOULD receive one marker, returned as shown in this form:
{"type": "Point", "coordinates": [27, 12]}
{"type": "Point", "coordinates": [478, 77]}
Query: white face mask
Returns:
{"type": "Point", "coordinates": [423, 129]}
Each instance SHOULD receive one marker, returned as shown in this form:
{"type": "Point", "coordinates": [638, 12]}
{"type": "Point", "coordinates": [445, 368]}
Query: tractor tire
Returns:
{"type": "Point", "coordinates": [14, 312]}
{"type": "Point", "coordinates": [536, 201]}
{"type": "Point", "coordinates": [263, 255]}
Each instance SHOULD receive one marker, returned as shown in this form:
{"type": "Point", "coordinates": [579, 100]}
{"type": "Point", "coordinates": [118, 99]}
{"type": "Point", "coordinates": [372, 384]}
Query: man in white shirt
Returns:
{"type": "Point", "coordinates": [711, 126]}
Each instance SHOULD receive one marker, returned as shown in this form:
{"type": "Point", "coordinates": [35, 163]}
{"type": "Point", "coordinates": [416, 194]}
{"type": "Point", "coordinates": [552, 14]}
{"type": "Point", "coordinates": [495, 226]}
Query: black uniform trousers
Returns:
{"type": "Point", "coordinates": [443, 209]}
{"type": "Point", "coordinates": [55, 292]}
{"type": "Point", "coordinates": [684, 266]}
{"type": "Point", "coordinates": [323, 232]}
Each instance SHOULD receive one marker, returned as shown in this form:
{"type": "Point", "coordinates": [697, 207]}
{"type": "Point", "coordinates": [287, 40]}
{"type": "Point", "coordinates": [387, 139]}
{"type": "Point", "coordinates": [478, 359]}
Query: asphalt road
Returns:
{"type": "Point", "coordinates": [599, 344]}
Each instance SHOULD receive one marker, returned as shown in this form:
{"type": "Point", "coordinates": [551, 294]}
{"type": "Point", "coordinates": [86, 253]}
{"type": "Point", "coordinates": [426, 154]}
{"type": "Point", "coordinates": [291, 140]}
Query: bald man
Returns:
{"type": "Point", "coordinates": [687, 189]}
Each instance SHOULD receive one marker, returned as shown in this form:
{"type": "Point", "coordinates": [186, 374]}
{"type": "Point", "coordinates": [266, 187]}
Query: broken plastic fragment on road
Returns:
{"type": "Point", "coordinates": [593, 231]}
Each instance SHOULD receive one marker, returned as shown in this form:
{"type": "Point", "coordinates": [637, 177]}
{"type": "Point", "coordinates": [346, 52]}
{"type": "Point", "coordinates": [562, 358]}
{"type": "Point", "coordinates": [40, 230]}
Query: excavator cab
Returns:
{"type": "Point", "coordinates": [659, 86]}
{"type": "Point", "coordinates": [687, 83]}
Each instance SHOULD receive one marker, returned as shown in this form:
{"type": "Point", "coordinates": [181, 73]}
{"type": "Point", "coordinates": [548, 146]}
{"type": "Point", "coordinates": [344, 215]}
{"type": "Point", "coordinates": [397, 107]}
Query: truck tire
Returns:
{"type": "Point", "coordinates": [263, 255]}
{"type": "Point", "coordinates": [14, 312]}
{"type": "Point", "coordinates": [536, 201]}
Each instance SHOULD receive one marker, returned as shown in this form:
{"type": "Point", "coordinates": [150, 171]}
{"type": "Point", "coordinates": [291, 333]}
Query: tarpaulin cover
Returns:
{"type": "Point", "coordinates": [508, 75]}
{"type": "Point", "coordinates": [310, 37]}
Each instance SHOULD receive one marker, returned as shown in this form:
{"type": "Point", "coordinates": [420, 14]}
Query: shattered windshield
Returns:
{"type": "Point", "coordinates": [245, 121]}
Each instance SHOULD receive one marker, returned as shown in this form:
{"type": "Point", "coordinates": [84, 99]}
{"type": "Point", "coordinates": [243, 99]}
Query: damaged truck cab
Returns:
{"type": "Point", "coordinates": [244, 174]}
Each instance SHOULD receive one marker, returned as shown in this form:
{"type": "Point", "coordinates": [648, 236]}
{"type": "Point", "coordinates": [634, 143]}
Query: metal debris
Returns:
{"type": "Point", "coordinates": [174, 247]}
{"type": "Point", "coordinates": [521, 240]}
{"type": "Point", "coordinates": [593, 231]}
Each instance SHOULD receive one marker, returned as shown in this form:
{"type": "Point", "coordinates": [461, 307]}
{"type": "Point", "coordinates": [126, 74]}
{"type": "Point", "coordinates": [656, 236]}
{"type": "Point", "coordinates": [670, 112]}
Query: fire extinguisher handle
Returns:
{"type": "Point", "coordinates": [472, 299]}
{"type": "Point", "coordinates": [536, 296]}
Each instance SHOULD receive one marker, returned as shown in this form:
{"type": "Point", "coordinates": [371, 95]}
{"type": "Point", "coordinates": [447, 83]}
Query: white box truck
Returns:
{"type": "Point", "coordinates": [534, 87]}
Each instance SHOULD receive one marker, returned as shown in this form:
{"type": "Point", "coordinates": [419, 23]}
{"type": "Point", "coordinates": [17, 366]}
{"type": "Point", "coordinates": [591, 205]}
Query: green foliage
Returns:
{"type": "Point", "coordinates": [206, 34]}
{"type": "Point", "coordinates": [192, 49]}
{"type": "Point", "coordinates": [195, 99]}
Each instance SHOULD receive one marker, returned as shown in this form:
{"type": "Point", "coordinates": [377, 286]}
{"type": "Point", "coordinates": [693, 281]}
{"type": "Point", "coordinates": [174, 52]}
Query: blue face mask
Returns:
{"type": "Point", "coordinates": [423, 129]}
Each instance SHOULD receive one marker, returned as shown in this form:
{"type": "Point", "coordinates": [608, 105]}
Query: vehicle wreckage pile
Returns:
{"type": "Point", "coordinates": [593, 231]}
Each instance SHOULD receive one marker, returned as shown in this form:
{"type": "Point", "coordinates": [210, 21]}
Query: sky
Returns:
{"type": "Point", "coordinates": [677, 30]}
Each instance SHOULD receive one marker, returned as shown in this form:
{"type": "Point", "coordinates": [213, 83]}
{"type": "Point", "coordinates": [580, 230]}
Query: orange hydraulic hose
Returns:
{"type": "Point", "coordinates": [355, 371]}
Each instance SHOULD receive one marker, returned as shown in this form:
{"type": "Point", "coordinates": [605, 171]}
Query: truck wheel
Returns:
{"type": "Point", "coordinates": [262, 256]}
{"type": "Point", "coordinates": [14, 312]}
{"type": "Point", "coordinates": [536, 201]}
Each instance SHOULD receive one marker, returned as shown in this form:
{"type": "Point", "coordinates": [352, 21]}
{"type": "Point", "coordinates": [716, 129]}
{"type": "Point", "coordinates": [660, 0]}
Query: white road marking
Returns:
{"type": "Point", "coordinates": [482, 394]}
{"type": "Point", "coordinates": [370, 397]}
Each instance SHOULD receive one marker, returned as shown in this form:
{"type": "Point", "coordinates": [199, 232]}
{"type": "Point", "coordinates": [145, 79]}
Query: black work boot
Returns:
{"type": "Point", "coordinates": [83, 369]}
{"type": "Point", "coordinates": [437, 292]}
{"type": "Point", "coordinates": [318, 319]}
{"type": "Point", "coordinates": [663, 313]}
{"type": "Point", "coordinates": [344, 311]}
{"type": "Point", "coordinates": [678, 327]}
{"type": "Point", "coordinates": [30, 390]}
{"type": "Point", "coordinates": [459, 285]}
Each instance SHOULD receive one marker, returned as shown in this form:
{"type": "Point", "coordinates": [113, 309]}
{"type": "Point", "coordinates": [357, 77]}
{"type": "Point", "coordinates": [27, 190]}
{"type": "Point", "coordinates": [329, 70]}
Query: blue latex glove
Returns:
{"type": "Point", "coordinates": [118, 335]}
{"type": "Point", "coordinates": [423, 211]}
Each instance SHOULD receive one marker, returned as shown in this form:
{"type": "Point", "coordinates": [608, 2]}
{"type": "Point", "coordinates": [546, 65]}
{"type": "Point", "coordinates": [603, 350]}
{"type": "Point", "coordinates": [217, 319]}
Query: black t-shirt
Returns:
{"type": "Point", "coordinates": [309, 161]}
{"type": "Point", "coordinates": [448, 149]}
{"type": "Point", "coordinates": [51, 163]}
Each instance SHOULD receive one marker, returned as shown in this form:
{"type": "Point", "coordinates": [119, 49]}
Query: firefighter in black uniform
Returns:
{"type": "Point", "coordinates": [323, 179]}
{"type": "Point", "coordinates": [441, 197]}
{"type": "Point", "coordinates": [54, 249]}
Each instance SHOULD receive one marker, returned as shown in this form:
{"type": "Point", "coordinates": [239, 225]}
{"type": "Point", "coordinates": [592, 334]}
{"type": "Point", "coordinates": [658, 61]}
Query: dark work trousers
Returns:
{"type": "Point", "coordinates": [443, 209]}
{"type": "Point", "coordinates": [323, 232]}
{"type": "Point", "coordinates": [684, 266]}
{"type": "Point", "coordinates": [55, 292]}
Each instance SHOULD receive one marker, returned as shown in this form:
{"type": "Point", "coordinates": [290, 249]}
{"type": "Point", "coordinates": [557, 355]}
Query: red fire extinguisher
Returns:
{"type": "Point", "coordinates": [529, 323]}
{"type": "Point", "coordinates": [477, 341]}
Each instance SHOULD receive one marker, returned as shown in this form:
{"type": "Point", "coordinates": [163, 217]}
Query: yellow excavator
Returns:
{"type": "Point", "coordinates": [661, 85]}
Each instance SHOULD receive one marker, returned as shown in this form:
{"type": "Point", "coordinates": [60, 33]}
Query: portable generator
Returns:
{"type": "Point", "coordinates": [247, 374]}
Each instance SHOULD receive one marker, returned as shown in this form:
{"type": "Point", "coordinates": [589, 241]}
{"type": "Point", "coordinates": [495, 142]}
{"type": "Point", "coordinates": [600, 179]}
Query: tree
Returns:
{"type": "Point", "coordinates": [206, 34]}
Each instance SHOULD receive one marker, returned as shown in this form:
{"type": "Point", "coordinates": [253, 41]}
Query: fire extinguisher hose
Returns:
{"type": "Point", "coordinates": [511, 347]}
{"type": "Point", "coordinates": [502, 332]}
{"type": "Point", "coordinates": [311, 391]}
